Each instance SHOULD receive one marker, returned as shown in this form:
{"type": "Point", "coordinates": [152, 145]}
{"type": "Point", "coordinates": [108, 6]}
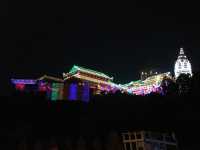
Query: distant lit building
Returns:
{"type": "Point", "coordinates": [49, 86]}
{"type": "Point", "coordinates": [152, 84]}
{"type": "Point", "coordinates": [145, 75]}
{"type": "Point", "coordinates": [147, 140]}
{"type": "Point", "coordinates": [182, 65]}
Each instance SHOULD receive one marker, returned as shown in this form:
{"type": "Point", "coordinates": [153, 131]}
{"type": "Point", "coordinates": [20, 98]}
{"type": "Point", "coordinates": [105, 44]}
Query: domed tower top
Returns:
{"type": "Point", "coordinates": [182, 65]}
{"type": "Point", "coordinates": [181, 51]}
{"type": "Point", "coordinates": [181, 54]}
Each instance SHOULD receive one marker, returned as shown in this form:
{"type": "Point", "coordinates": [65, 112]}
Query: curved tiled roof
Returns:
{"type": "Point", "coordinates": [78, 68]}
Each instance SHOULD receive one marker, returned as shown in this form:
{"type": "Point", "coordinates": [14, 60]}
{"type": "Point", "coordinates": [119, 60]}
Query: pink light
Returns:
{"type": "Point", "coordinates": [20, 87]}
{"type": "Point", "coordinates": [42, 88]}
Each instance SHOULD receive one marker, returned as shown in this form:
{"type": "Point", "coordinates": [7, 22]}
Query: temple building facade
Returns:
{"type": "Point", "coordinates": [182, 65]}
{"type": "Point", "coordinates": [78, 84]}
{"type": "Point", "coordinates": [98, 81]}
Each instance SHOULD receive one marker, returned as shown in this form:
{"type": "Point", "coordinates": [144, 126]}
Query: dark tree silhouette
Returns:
{"type": "Point", "coordinates": [195, 83]}
{"type": "Point", "coordinates": [169, 86]}
{"type": "Point", "coordinates": [184, 84]}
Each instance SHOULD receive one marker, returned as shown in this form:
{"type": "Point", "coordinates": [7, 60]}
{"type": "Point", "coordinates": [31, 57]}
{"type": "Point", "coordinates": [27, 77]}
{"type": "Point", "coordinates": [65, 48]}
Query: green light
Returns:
{"type": "Point", "coordinates": [77, 68]}
{"type": "Point", "coordinates": [55, 92]}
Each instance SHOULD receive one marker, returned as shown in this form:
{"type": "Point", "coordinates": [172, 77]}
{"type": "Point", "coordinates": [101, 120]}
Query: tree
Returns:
{"type": "Point", "coordinates": [169, 87]}
{"type": "Point", "coordinates": [184, 84]}
{"type": "Point", "coordinates": [195, 83]}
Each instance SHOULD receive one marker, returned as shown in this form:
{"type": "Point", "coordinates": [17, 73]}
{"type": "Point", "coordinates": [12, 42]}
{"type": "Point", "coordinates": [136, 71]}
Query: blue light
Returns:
{"type": "Point", "coordinates": [49, 91]}
{"type": "Point", "coordinates": [23, 81]}
{"type": "Point", "coordinates": [73, 91]}
{"type": "Point", "coordinates": [86, 92]}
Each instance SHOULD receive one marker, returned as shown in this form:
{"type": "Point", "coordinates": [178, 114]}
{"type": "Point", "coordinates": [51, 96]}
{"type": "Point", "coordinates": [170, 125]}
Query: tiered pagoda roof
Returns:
{"type": "Point", "coordinates": [75, 69]}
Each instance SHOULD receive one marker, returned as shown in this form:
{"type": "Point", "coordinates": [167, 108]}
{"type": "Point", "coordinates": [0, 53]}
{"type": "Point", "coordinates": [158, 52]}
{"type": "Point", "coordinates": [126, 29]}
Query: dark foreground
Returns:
{"type": "Point", "coordinates": [36, 119]}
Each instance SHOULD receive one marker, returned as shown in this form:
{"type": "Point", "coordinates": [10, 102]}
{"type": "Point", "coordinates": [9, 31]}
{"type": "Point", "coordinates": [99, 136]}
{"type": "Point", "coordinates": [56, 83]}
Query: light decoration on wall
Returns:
{"type": "Point", "coordinates": [73, 91]}
{"type": "Point", "coordinates": [150, 85]}
{"type": "Point", "coordinates": [76, 68]}
{"type": "Point", "coordinates": [56, 88]}
{"type": "Point", "coordinates": [20, 86]}
{"type": "Point", "coordinates": [79, 76]}
{"type": "Point", "coordinates": [23, 81]}
{"type": "Point", "coordinates": [81, 72]}
{"type": "Point", "coordinates": [54, 92]}
{"type": "Point", "coordinates": [86, 92]}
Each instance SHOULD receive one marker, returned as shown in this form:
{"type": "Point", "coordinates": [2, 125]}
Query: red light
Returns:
{"type": "Point", "coordinates": [20, 87]}
{"type": "Point", "coordinates": [42, 88]}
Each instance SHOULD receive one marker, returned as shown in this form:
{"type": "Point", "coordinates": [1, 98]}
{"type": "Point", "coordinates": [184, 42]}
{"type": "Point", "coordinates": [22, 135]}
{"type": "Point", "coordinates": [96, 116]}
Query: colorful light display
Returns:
{"type": "Point", "coordinates": [80, 82]}
{"type": "Point", "coordinates": [55, 91]}
{"type": "Point", "coordinates": [20, 87]}
{"type": "Point", "coordinates": [150, 85]}
{"type": "Point", "coordinates": [76, 69]}
{"type": "Point", "coordinates": [42, 87]}
{"type": "Point", "coordinates": [23, 81]}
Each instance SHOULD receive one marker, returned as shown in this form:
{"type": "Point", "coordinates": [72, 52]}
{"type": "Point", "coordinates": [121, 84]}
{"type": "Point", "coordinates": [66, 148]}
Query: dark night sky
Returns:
{"type": "Point", "coordinates": [119, 39]}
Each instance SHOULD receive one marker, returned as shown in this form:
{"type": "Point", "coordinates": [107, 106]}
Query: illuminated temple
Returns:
{"type": "Point", "coordinates": [81, 83]}
{"type": "Point", "coordinates": [182, 65]}
{"type": "Point", "coordinates": [151, 84]}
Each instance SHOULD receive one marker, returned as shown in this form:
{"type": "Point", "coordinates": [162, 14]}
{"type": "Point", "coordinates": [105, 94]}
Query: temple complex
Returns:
{"type": "Point", "coordinates": [147, 86]}
{"type": "Point", "coordinates": [81, 83]}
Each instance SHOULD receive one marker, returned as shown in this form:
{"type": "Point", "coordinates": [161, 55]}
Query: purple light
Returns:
{"type": "Point", "coordinates": [23, 81]}
{"type": "Point", "coordinates": [86, 92]}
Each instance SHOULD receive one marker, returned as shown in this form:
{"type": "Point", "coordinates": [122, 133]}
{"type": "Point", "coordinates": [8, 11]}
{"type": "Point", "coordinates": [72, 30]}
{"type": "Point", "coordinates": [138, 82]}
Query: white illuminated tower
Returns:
{"type": "Point", "coordinates": [182, 65]}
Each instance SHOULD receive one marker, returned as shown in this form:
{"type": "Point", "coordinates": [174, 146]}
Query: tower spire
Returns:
{"type": "Point", "coordinates": [182, 64]}
{"type": "Point", "coordinates": [181, 51]}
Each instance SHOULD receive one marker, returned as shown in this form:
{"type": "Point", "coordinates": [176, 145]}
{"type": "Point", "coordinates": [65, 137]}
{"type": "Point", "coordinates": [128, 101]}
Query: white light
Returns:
{"type": "Point", "coordinates": [182, 65]}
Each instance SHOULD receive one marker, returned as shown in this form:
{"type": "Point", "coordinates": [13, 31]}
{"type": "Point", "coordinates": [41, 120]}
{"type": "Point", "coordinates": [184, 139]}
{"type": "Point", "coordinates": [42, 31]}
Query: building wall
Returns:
{"type": "Point", "coordinates": [145, 140]}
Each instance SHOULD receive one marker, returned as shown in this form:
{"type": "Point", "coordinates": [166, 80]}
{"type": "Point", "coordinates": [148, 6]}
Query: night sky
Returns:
{"type": "Point", "coordinates": [120, 40]}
